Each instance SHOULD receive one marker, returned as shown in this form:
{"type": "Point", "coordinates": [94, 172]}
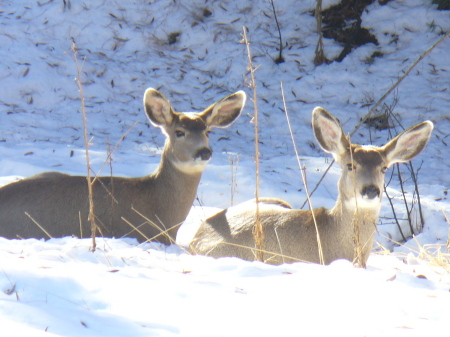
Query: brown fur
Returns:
{"type": "Point", "coordinates": [59, 202]}
{"type": "Point", "coordinates": [290, 234]}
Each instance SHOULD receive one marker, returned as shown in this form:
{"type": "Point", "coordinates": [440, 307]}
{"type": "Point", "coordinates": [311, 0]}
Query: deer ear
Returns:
{"type": "Point", "coordinates": [157, 107]}
{"type": "Point", "coordinates": [328, 132]}
{"type": "Point", "coordinates": [224, 112]}
{"type": "Point", "coordinates": [408, 144]}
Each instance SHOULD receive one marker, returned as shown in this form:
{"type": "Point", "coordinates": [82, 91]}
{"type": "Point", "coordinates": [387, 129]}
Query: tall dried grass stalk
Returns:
{"type": "Point", "coordinates": [37, 224]}
{"type": "Point", "coordinates": [258, 231]}
{"type": "Point", "coordinates": [303, 174]}
{"type": "Point", "coordinates": [91, 216]}
{"type": "Point", "coordinates": [234, 164]}
{"type": "Point", "coordinates": [356, 223]}
{"type": "Point", "coordinates": [448, 221]}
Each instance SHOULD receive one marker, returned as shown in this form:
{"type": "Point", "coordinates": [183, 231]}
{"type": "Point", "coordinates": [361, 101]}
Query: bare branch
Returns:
{"type": "Point", "coordinates": [91, 217]}
{"type": "Point", "coordinates": [420, 58]}
{"type": "Point", "coordinates": [303, 174]}
{"type": "Point", "coordinates": [280, 58]}
{"type": "Point", "coordinates": [258, 229]}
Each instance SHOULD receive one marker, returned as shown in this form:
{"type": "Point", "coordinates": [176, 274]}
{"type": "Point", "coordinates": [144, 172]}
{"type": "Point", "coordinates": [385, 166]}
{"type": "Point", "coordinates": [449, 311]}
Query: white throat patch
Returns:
{"type": "Point", "coordinates": [364, 203]}
{"type": "Point", "coordinates": [191, 167]}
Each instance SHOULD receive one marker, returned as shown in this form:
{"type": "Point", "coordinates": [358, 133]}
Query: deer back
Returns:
{"type": "Point", "coordinates": [53, 204]}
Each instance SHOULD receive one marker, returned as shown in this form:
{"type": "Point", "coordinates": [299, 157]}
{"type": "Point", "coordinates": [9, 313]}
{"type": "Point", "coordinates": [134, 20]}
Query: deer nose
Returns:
{"type": "Point", "coordinates": [204, 153]}
{"type": "Point", "coordinates": [371, 192]}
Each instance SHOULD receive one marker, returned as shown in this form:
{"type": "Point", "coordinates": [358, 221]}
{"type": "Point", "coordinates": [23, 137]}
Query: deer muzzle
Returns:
{"type": "Point", "coordinates": [371, 192]}
{"type": "Point", "coordinates": [203, 154]}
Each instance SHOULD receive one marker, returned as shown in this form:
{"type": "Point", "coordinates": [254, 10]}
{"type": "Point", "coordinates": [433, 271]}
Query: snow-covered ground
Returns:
{"type": "Point", "coordinates": [60, 288]}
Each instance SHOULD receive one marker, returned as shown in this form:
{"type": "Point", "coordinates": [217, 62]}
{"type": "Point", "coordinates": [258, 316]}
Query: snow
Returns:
{"type": "Point", "coordinates": [60, 288]}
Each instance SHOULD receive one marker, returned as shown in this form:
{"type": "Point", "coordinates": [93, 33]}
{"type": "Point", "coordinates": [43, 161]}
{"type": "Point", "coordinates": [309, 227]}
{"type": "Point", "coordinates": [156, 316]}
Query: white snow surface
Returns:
{"type": "Point", "coordinates": [60, 288]}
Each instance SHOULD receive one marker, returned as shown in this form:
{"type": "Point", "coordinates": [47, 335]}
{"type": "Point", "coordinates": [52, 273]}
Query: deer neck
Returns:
{"type": "Point", "coordinates": [346, 209]}
{"type": "Point", "coordinates": [179, 185]}
{"type": "Point", "coordinates": [176, 191]}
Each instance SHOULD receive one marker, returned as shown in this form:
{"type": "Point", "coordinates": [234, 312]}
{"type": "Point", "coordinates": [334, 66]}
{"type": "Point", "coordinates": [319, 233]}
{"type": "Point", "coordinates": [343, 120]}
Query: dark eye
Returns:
{"type": "Point", "coordinates": [351, 167]}
{"type": "Point", "coordinates": [179, 133]}
{"type": "Point", "coordinates": [384, 169]}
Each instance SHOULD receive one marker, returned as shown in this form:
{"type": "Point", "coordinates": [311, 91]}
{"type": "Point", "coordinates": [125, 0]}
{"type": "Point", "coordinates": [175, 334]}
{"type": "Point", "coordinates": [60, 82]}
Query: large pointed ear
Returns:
{"type": "Point", "coordinates": [328, 132]}
{"type": "Point", "coordinates": [408, 144]}
{"type": "Point", "coordinates": [224, 112]}
{"type": "Point", "coordinates": [157, 107]}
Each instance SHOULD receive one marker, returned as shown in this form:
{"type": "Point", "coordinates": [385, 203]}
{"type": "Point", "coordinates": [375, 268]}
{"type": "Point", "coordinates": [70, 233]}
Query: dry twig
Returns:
{"type": "Point", "coordinates": [280, 58]}
{"type": "Point", "coordinates": [258, 229]}
{"type": "Point", "coordinates": [91, 216]}
{"type": "Point", "coordinates": [320, 54]}
{"type": "Point", "coordinates": [396, 84]}
{"type": "Point", "coordinates": [303, 174]}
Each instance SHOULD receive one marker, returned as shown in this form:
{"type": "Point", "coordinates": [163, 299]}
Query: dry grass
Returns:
{"type": "Point", "coordinates": [258, 231]}
{"type": "Point", "coordinates": [90, 182]}
{"type": "Point", "coordinates": [358, 258]}
{"type": "Point", "coordinates": [271, 255]}
{"type": "Point", "coordinates": [303, 174]}
{"type": "Point", "coordinates": [448, 221]}
{"type": "Point", "coordinates": [433, 255]}
{"type": "Point", "coordinates": [436, 256]}
{"type": "Point", "coordinates": [39, 225]}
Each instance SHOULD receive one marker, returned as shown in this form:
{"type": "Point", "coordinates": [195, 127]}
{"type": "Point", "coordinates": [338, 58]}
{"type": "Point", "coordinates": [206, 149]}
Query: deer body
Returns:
{"type": "Point", "coordinates": [290, 233]}
{"type": "Point", "coordinates": [153, 204]}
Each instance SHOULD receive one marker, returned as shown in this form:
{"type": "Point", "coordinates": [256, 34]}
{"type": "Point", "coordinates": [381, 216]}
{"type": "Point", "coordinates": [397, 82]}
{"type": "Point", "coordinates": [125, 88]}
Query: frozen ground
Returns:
{"type": "Point", "coordinates": [59, 288]}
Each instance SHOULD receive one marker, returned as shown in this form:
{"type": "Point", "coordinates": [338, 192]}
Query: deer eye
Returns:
{"type": "Point", "coordinates": [351, 167]}
{"type": "Point", "coordinates": [179, 133]}
{"type": "Point", "coordinates": [384, 169]}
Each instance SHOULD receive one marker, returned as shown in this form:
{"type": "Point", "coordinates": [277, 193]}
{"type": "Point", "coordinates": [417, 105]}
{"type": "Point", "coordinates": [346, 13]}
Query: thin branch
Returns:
{"type": "Point", "coordinates": [391, 116]}
{"type": "Point", "coordinates": [234, 163]}
{"type": "Point", "coordinates": [448, 221]}
{"type": "Point", "coordinates": [91, 217]}
{"type": "Point", "coordinates": [425, 53]}
{"type": "Point", "coordinates": [261, 251]}
{"type": "Point", "coordinates": [393, 211]}
{"type": "Point", "coordinates": [357, 248]}
{"type": "Point", "coordinates": [280, 58]}
{"type": "Point", "coordinates": [164, 231]}
{"type": "Point", "coordinates": [416, 188]}
{"type": "Point", "coordinates": [318, 183]}
{"type": "Point", "coordinates": [258, 229]}
{"type": "Point", "coordinates": [37, 224]}
{"type": "Point", "coordinates": [404, 198]}
{"type": "Point", "coordinates": [319, 52]}
{"type": "Point", "coordinates": [303, 174]}
{"type": "Point", "coordinates": [392, 204]}
{"type": "Point", "coordinates": [110, 153]}
{"type": "Point", "coordinates": [420, 58]}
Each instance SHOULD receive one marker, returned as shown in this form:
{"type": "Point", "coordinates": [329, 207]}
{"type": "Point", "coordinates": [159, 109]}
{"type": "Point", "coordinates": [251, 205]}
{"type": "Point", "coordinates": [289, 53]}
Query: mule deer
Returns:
{"type": "Point", "coordinates": [155, 203]}
{"type": "Point", "coordinates": [290, 233]}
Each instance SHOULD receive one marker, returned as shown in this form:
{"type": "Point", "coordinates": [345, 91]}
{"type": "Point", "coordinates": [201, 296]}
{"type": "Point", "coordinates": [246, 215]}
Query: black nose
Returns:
{"type": "Point", "coordinates": [371, 192]}
{"type": "Point", "coordinates": [204, 154]}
